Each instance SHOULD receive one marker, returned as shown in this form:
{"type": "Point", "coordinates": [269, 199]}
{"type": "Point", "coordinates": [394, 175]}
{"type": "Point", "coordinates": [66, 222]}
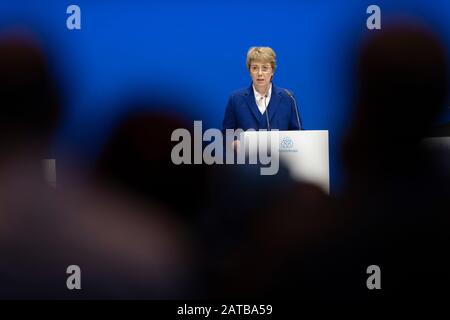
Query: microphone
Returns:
{"type": "Point", "coordinates": [300, 126]}
{"type": "Point", "coordinates": [266, 112]}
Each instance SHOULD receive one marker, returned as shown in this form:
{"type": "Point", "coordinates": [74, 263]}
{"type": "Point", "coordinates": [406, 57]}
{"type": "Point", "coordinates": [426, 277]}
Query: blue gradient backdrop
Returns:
{"type": "Point", "coordinates": [196, 51]}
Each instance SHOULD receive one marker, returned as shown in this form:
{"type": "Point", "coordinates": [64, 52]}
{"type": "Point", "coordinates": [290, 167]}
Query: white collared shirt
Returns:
{"type": "Point", "coordinates": [260, 99]}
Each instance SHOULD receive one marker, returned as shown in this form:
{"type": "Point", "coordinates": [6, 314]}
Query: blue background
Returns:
{"type": "Point", "coordinates": [196, 51]}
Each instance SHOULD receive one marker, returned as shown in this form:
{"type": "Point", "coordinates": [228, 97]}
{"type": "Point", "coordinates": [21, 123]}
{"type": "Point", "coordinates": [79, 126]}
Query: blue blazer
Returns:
{"type": "Point", "coordinates": [243, 113]}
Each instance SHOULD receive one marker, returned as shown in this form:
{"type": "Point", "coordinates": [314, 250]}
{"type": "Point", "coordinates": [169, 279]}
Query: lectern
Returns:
{"type": "Point", "coordinates": [304, 153]}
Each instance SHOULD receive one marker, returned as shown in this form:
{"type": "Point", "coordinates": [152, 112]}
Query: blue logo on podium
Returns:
{"type": "Point", "coordinates": [286, 143]}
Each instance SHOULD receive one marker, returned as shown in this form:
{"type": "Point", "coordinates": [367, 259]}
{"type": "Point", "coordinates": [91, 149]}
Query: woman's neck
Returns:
{"type": "Point", "coordinates": [262, 90]}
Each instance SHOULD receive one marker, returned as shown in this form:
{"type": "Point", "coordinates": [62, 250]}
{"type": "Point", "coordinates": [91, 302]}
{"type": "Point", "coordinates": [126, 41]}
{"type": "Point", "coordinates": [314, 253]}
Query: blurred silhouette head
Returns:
{"type": "Point", "coordinates": [29, 104]}
{"type": "Point", "coordinates": [402, 86]}
{"type": "Point", "coordinates": [137, 158]}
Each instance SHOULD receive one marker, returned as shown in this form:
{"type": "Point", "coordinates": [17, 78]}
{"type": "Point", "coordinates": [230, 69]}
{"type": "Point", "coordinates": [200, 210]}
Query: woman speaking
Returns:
{"type": "Point", "coordinates": [262, 105]}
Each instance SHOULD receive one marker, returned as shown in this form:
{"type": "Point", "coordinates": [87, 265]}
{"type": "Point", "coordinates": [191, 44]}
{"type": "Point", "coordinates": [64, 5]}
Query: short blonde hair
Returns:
{"type": "Point", "coordinates": [265, 54]}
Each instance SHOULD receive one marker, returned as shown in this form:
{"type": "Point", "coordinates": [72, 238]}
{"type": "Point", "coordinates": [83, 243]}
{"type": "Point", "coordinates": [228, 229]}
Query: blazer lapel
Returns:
{"type": "Point", "coordinates": [250, 99]}
{"type": "Point", "coordinates": [275, 99]}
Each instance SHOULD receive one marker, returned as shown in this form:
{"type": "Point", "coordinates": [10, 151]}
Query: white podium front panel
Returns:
{"type": "Point", "coordinates": [304, 153]}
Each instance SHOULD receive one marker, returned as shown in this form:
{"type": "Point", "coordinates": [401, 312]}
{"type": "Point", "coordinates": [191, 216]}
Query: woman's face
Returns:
{"type": "Point", "coordinates": [261, 73]}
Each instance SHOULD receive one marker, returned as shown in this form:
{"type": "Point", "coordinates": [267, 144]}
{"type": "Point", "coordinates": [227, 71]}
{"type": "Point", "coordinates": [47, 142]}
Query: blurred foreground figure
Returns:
{"type": "Point", "coordinates": [398, 200]}
{"type": "Point", "coordinates": [137, 159]}
{"type": "Point", "coordinates": [125, 248]}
